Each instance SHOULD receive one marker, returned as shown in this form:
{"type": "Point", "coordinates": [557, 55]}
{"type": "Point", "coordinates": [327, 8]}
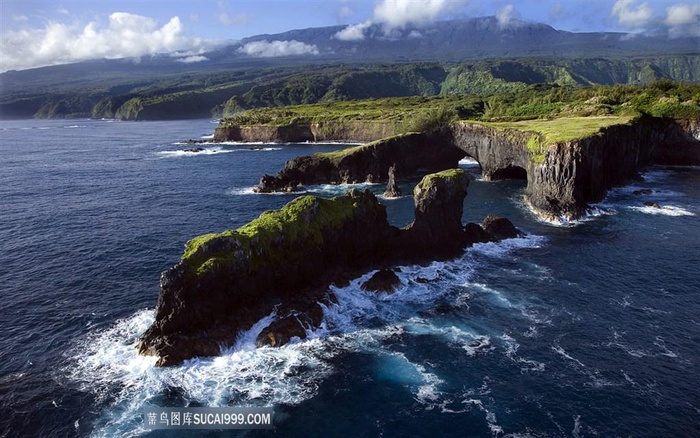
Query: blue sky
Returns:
{"type": "Point", "coordinates": [36, 33]}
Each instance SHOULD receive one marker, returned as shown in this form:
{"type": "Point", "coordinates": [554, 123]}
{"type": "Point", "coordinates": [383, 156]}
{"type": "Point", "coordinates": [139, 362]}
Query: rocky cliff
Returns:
{"type": "Point", "coordinates": [563, 176]}
{"type": "Point", "coordinates": [574, 173]}
{"type": "Point", "coordinates": [283, 261]}
{"type": "Point", "coordinates": [412, 154]}
{"type": "Point", "coordinates": [315, 132]}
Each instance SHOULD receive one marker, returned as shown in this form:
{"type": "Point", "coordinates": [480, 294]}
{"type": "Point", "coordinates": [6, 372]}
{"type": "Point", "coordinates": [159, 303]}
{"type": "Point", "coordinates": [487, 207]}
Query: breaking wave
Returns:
{"type": "Point", "coordinates": [106, 362]}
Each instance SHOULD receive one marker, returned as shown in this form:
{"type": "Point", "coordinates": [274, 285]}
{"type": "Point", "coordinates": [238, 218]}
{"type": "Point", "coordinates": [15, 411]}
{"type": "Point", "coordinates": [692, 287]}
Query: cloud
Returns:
{"type": "Point", "coordinates": [683, 20]}
{"type": "Point", "coordinates": [271, 49]}
{"type": "Point", "coordinates": [398, 14]}
{"type": "Point", "coordinates": [126, 36]}
{"type": "Point", "coordinates": [354, 32]}
{"type": "Point", "coordinates": [233, 20]}
{"type": "Point", "coordinates": [193, 59]}
{"type": "Point", "coordinates": [632, 16]}
{"type": "Point", "coordinates": [506, 15]}
{"type": "Point", "coordinates": [555, 12]}
{"type": "Point", "coordinates": [345, 12]}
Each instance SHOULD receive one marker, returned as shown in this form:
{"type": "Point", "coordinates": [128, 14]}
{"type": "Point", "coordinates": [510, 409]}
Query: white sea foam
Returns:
{"type": "Point", "coordinates": [242, 374]}
{"type": "Point", "coordinates": [242, 191]}
{"type": "Point", "coordinates": [505, 247]}
{"type": "Point", "coordinates": [107, 363]}
{"type": "Point", "coordinates": [592, 213]}
{"type": "Point", "coordinates": [666, 210]}
{"type": "Point", "coordinates": [192, 153]}
{"type": "Point", "coordinates": [336, 189]}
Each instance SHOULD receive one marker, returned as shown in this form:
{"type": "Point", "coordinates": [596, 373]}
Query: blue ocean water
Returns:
{"type": "Point", "coordinates": [587, 329]}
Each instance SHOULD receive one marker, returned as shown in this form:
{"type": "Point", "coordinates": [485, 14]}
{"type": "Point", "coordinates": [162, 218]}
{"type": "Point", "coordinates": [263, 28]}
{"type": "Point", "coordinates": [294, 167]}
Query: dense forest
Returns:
{"type": "Point", "coordinates": [531, 82]}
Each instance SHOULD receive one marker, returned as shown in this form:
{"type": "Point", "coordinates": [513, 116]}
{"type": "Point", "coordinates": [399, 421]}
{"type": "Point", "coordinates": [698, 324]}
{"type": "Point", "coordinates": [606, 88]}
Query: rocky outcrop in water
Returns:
{"type": "Point", "coordinates": [392, 189]}
{"type": "Point", "coordinates": [283, 261]}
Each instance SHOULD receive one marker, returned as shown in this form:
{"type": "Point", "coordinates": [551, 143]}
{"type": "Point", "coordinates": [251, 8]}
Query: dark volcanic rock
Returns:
{"type": "Point", "coordinates": [652, 204]}
{"type": "Point", "coordinates": [194, 150]}
{"type": "Point", "coordinates": [282, 263]}
{"type": "Point", "coordinates": [562, 178]}
{"type": "Point", "coordinates": [643, 192]}
{"type": "Point", "coordinates": [499, 227]}
{"type": "Point", "coordinates": [439, 202]}
{"type": "Point", "coordinates": [412, 154]}
{"type": "Point", "coordinates": [385, 281]}
{"type": "Point", "coordinates": [475, 234]}
{"type": "Point", "coordinates": [392, 189]}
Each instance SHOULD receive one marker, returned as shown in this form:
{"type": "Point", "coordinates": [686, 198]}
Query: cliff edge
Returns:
{"type": "Point", "coordinates": [568, 162]}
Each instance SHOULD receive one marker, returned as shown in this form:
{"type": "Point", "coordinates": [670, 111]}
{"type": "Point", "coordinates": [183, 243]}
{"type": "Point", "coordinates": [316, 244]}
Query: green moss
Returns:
{"type": "Point", "coordinates": [536, 148]}
{"type": "Point", "coordinates": [434, 178]}
{"type": "Point", "coordinates": [275, 236]}
{"type": "Point", "coordinates": [336, 155]}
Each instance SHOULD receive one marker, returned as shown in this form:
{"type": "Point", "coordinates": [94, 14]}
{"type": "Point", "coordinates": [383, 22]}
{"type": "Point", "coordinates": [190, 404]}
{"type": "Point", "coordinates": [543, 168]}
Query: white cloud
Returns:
{"type": "Point", "coordinates": [126, 36]}
{"type": "Point", "coordinates": [20, 18]}
{"type": "Point", "coordinates": [193, 59]}
{"type": "Point", "coordinates": [345, 12]}
{"type": "Point", "coordinates": [398, 14]}
{"type": "Point", "coordinates": [683, 20]}
{"type": "Point", "coordinates": [632, 16]}
{"type": "Point", "coordinates": [506, 15]}
{"type": "Point", "coordinates": [270, 49]}
{"type": "Point", "coordinates": [354, 32]}
{"type": "Point", "coordinates": [555, 12]}
{"type": "Point", "coordinates": [233, 20]}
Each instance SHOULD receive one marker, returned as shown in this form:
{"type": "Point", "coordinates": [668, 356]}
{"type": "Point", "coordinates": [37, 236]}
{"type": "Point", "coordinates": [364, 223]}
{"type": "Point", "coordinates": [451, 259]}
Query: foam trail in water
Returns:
{"type": "Point", "coordinates": [665, 210]}
{"type": "Point", "coordinates": [193, 153]}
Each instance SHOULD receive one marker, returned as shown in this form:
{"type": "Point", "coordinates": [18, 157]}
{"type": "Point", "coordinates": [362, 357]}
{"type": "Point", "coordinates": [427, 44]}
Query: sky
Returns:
{"type": "Point", "coordinates": [39, 33]}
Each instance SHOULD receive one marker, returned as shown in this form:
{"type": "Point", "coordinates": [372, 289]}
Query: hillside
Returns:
{"type": "Point", "coordinates": [475, 56]}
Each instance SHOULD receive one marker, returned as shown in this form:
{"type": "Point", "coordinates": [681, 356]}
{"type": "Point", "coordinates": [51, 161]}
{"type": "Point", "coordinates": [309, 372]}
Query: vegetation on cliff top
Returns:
{"type": "Point", "coordinates": [659, 99]}
{"type": "Point", "coordinates": [433, 179]}
{"type": "Point", "coordinates": [272, 237]}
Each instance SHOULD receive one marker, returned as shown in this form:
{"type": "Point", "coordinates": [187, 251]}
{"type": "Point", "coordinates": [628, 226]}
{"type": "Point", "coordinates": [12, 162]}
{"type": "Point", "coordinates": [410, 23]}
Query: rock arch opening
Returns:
{"type": "Point", "coordinates": [509, 172]}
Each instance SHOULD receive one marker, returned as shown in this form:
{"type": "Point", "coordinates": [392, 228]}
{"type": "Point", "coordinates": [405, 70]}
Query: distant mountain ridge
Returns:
{"type": "Point", "coordinates": [485, 37]}
{"type": "Point", "coordinates": [462, 56]}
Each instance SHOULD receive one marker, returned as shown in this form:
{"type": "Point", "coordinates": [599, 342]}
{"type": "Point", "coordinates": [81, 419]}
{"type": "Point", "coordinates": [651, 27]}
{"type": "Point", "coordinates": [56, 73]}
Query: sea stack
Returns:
{"type": "Point", "coordinates": [392, 189]}
{"type": "Point", "coordinates": [282, 263]}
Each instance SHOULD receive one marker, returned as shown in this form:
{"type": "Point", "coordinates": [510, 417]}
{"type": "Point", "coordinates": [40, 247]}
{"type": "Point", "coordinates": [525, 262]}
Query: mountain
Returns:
{"type": "Point", "coordinates": [253, 72]}
{"type": "Point", "coordinates": [485, 37]}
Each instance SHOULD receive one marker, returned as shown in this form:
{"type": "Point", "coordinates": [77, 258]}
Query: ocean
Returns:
{"type": "Point", "coordinates": [576, 330]}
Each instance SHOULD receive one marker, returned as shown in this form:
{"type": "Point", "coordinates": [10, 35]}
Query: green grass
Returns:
{"type": "Point", "coordinates": [563, 128]}
{"type": "Point", "coordinates": [404, 110]}
{"type": "Point", "coordinates": [272, 237]}
{"type": "Point", "coordinates": [337, 155]}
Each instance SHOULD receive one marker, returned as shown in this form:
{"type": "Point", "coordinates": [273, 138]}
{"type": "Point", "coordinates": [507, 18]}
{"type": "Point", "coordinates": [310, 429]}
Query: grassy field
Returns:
{"type": "Point", "coordinates": [564, 128]}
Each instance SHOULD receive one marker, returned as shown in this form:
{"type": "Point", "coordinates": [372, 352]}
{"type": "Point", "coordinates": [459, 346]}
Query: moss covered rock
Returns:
{"type": "Point", "coordinates": [283, 261]}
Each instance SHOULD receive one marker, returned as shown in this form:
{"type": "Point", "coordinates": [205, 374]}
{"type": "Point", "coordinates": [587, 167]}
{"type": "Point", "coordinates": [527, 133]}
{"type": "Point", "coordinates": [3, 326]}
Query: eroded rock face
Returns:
{"type": "Point", "coordinates": [283, 262]}
{"type": "Point", "coordinates": [412, 154]}
{"type": "Point", "coordinates": [562, 179]}
{"type": "Point", "coordinates": [439, 201]}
